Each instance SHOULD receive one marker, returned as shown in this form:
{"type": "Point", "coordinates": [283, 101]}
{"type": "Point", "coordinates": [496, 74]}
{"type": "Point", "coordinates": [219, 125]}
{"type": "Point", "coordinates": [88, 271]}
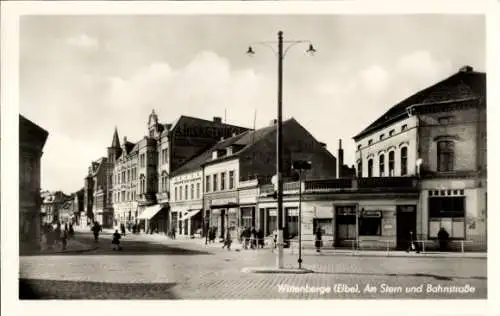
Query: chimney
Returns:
{"type": "Point", "coordinates": [218, 119]}
{"type": "Point", "coordinates": [273, 122]}
{"type": "Point", "coordinates": [340, 160]}
{"type": "Point", "coordinates": [323, 144]}
{"type": "Point", "coordinates": [466, 68]}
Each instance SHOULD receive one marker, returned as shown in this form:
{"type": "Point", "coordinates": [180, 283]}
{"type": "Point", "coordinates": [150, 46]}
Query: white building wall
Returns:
{"type": "Point", "coordinates": [400, 138]}
{"type": "Point", "coordinates": [223, 166]}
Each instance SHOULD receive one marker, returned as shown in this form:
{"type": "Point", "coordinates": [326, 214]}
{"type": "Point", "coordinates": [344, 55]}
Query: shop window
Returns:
{"type": "Point", "coordinates": [370, 226]}
{"type": "Point", "coordinates": [404, 161]}
{"type": "Point", "coordinates": [326, 225]}
{"type": "Point", "coordinates": [447, 213]}
{"type": "Point", "coordinates": [446, 155]}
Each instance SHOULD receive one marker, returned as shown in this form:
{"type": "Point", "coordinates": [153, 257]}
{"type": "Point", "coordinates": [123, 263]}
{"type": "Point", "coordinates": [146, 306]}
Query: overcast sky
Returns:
{"type": "Point", "coordinates": [82, 76]}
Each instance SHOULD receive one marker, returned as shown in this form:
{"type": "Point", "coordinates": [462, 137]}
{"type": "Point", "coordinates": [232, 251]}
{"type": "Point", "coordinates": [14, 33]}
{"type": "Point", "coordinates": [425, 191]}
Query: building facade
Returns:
{"type": "Point", "coordinates": [165, 149]}
{"type": "Point", "coordinates": [53, 206]}
{"type": "Point", "coordinates": [439, 136]}
{"type": "Point", "coordinates": [32, 139]}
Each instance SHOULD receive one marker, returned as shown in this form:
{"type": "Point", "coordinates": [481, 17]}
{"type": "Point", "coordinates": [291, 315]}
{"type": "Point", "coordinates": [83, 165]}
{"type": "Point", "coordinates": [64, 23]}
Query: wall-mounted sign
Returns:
{"type": "Point", "coordinates": [372, 214]}
{"type": "Point", "coordinates": [344, 211]}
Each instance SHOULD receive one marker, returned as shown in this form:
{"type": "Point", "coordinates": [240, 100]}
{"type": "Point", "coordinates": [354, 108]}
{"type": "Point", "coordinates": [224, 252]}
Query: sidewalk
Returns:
{"type": "Point", "coordinates": [73, 246]}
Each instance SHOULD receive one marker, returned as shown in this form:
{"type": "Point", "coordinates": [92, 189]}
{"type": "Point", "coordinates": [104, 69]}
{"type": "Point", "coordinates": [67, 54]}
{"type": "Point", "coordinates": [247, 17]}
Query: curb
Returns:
{"type": "Point", "coordinates": [394, 255]}
{"type": "Point", "coordinates": [269, 270]}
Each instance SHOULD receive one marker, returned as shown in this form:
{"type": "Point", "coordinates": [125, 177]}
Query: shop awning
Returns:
{"type": "Point", "coordinates": [190, 213]}
{"type": "Point", "coordinates": [150, 211]}
{"type": "Point", "coordinates": [227, 205]}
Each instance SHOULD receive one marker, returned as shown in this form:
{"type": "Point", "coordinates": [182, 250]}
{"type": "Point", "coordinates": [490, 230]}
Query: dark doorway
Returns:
{"type": "Point", "coordinates": [406, 221]}
{"type": "Point", "coordinates": [222, 223]}
{"type": "Point", "coordinates": [262, 218]}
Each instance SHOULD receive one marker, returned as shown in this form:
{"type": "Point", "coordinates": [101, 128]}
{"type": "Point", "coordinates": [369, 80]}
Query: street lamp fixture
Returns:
{"type": "Point", "coordinates": [300, 165]}
{"type": "Point", "coordinates": [280, 54]}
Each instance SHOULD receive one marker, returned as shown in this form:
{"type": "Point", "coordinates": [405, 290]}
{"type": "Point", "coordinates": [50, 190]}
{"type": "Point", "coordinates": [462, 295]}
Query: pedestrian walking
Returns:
{"type": "Point", "coordinates": [96, 229]}
{"type": "Point", "coordinates": [253, 238]}
{"type": "Point", "coordinates": [71, 231]}
{"type": "Point", "coordinates": [260, 236]}
{"type": "Point", "coordinates": [116, 241]}
{"type": "Point", "coordinates": [412, 245]}
{"type": "Point", "coordinates": [64, 238]}
{"type": "Point", "coordinates": [443, 238]}
{"type": "Point", "coordinates": [122, 227]}
{"type": "Point", "coordinates": [227, 240]}
{"type": "Point", "coordinates": [319, 239]}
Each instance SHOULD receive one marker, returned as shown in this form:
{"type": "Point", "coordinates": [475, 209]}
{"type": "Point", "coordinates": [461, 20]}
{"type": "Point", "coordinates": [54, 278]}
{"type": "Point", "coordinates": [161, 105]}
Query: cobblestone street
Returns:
{"type": "Point", "coordinates": [177, 270]}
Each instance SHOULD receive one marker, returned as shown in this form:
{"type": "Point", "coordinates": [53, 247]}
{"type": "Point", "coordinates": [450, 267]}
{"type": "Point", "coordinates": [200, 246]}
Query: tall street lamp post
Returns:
{"type": "Point", "coordinates": [300, 165]}
{"type": "Point", "coordinates": [279, 134]}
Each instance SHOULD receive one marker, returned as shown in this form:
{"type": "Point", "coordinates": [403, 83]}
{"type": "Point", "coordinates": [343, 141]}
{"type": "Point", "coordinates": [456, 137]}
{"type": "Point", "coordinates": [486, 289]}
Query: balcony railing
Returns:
{"type": "Point", "coordinates": [328, 185]}
{"type": "Point", "coordinates": [387, 182]}
{"type": "Point", "coordinates": [291, 187]}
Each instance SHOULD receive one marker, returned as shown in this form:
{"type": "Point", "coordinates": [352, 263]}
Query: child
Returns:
{"type": "Point", "coordinates": [116, 240]}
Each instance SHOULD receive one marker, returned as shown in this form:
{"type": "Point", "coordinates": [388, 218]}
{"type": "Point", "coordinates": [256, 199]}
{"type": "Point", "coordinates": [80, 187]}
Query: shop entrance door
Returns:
{"type": "Point", "coordinates": [406, 221]}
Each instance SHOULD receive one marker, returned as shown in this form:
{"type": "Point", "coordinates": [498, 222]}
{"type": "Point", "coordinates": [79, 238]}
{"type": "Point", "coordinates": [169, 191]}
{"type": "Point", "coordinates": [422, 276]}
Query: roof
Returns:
{"type": "Point", "coordinates": [464, 84]}
{"type": "Point", "coordinates": [116, 142]}
{"type": "Point", "coordinates": [245, 139]}
{"type": "Point", "coordinates": [189, 120]}
{"type": "Point", "coordinates": [30, 132]}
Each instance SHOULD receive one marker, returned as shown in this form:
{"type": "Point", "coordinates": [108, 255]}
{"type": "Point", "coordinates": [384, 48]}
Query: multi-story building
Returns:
{"type": "Point", "coordinates": [52, 206]}
{"type": "Point", "coordinates": [439, 136]}
{"type": "Point", "coordinates": [247, 158]}
{"type": "Point", "coordinates": [32, 139]}
{"type": "Point", "coordinates": [78, 207]}
{"type": "Point", "coordinates": [151, 160]}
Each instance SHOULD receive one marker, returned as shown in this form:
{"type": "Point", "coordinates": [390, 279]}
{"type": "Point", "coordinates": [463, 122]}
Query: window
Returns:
{"type": "Point", "coordinates": [445, 120]}
{"type": "Point", "coordinates": [123, 177]}
{"type": "Point", "coordinates": [404, 127]}
{"type": "Point", "coordinates": [359, 147]}
{"type": "Point", "coordinates": [391, 132]}
{"type": "Point", "coordinates": [370, 223]}
{"type": "Point", "coordinates": [445, 152]}
{"type": "Point", "coordinates": [231, 179]}
{"type": "Point", "coordinates": [192, 192]}
{"type": "Point", "coordinates": [186, 197]}
{"type": "Point", "coordinates": [223, 181]}
{"type": "Point", "coordinates": [381, 163]}
{"type": "Point", "coordinates": [370, 142]}
{"type": "Point", "coordinates": [128, 195]}
{"type": "Point", "coordinates": [215, 188]}
{"type": "Point", "coordinates": [207, 184]}
{"type": "Point", "coordinates": [175, 190]}
{"type": "Point", "coordinates": [180, 193]}
{"type": "Point", "coordinates": [404, 161]}
{"type": "Point", "coordinates": [197, 190]}
{"type": "Point", "coordinates": [360, 169]}
{"type": "Point", "coordinates": [370, 168]}
{"type": "Point", "coordinates": [448, 213]}
{"type": "Point", "coordinates": [164, 156]}
{"type": "Point", "coordinates": [391, 164]}
{"type": "Point", "coordinates": [142, 184]}
{"type": "Point", "coordinates": [142, 160]}
{"type": "Point", "coordinates": [128, 175]}
{"type": "Point", "coordinates": [382, 136]}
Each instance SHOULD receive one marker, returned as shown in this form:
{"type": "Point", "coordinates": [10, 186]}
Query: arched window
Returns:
{"type": "Point", "coordinates": [142, 184]}
{"type": "Point", "coordinates": [445, 155]}
{"type": "Point", "coordinates": [404, 161]}
{"type": "Point", "coordinates": [381, 163]}
{"type": "Point", "coordinates": [370, 167]}
{"type": "Point", "coordinates": [360, 169]}
{"type": "Point", "coordinates": [391, 164]}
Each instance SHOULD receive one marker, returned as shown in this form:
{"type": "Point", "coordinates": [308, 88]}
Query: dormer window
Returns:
{"type": "Point", "coordinates": [404, 127]}
{"type": "Point", "coordinates": [370, 142]}
{"type": "Point", "coordinates": [229, 151]}
{"type": "Point", "coordinates": [391, 132]}
{"type": "Point", "coordinates": [359, 147]}
{"type": "Point", "coordinates": [382, 136]}
{"type": "Point", "coordinates": [214, 154]}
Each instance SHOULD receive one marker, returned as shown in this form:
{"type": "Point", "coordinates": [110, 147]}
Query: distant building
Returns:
{"type": "Point", "coordinates": [53, 206]}
{"type": "Point", "coordinates": [142, 169]}
{"type": "Point", "coordinates": [32, 139]}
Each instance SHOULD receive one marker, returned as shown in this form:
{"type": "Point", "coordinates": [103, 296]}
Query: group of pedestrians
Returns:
{"type": "Point", "coordinates": [253, 238]}
{"type": "Point", "coordinates": [56, 234]}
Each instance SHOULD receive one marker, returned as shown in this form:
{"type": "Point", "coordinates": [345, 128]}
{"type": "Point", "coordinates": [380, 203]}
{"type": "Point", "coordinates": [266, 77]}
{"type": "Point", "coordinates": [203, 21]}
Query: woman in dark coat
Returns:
{"type": "Point", "coordinates": [318, 240]}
